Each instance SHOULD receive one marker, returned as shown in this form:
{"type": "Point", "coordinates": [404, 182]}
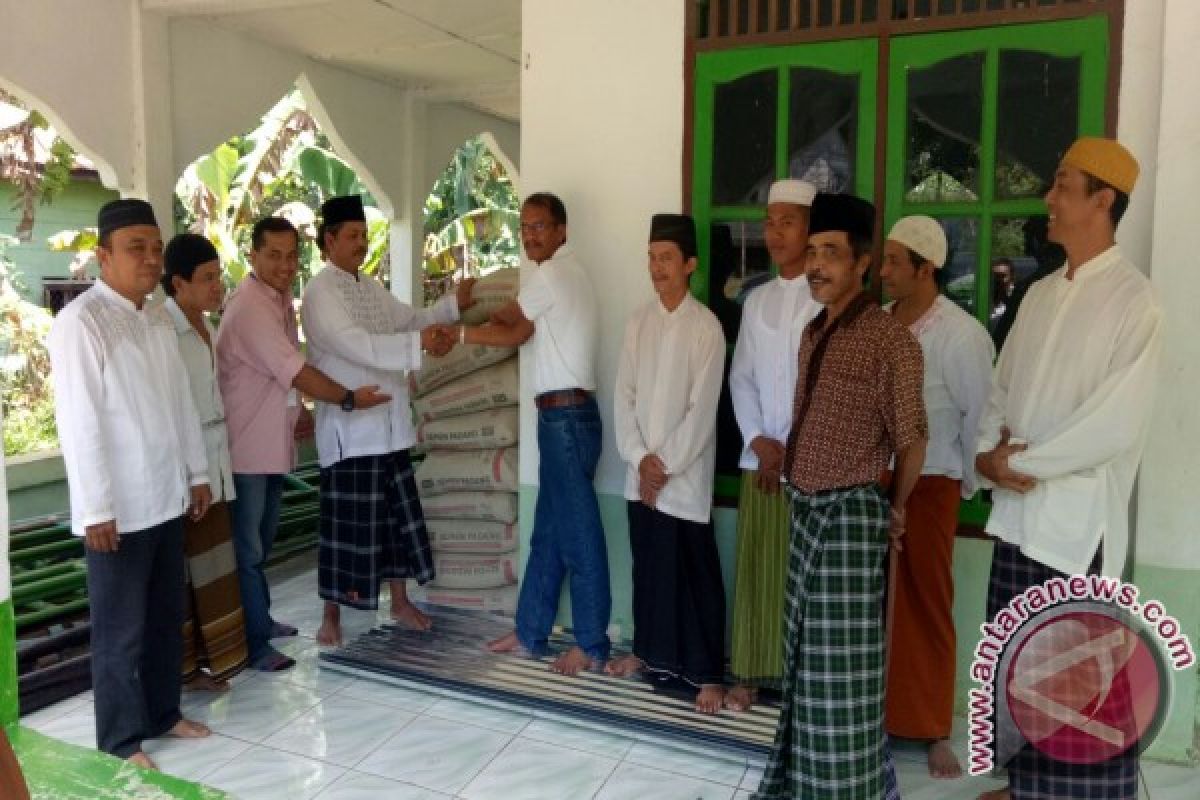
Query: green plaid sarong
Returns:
{"type": "Point", "coordinates": [830, 743]}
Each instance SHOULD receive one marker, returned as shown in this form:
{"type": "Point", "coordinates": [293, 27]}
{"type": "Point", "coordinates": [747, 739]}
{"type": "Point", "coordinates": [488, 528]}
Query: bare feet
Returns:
{"type": "Point", "coordinates": [507, 643]}
{"type": "Point", "coordinates": [404, 612]}
{"type": "Point", "coordinates": [741, 698]}
{"type": "Point", "coordinates": [710, 699]}
{"type": "Point", "coordinates": [624, 667]}
{"type": "Point", "coordinates": [140, 759]}
{"type": "Point", "coordinates": [996, 794]}
{"type": "Point", "coordinates": [942, 761]}
{"type": "Point", "coordinates": [410, 616]}
{"type": "Point", "coordinates": [572, 662]}
{"type": "Point", "coordinates": [189, 729]}
{"type": "Point", "coordinates": [330, 632]}
{"type": "Point", "coordinates": [203, 682]}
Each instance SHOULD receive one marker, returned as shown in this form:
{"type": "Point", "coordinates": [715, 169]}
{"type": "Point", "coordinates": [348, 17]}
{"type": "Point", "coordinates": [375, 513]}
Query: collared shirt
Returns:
{"type": "Point", "coordinates": [958, 376]}
{"type": "Point", "coordinates": [131, 441]}
{"type": "Point", "coordinates": [762, 378]}
{"type": "Point", "coordinates": [1075, 382]}
{"type": "Point", "coordinates": [200, 361]}
{"type": "Point", "coordinates": [859, 404]}
{"type": "Point", "coordinates": [258, 357]}
{"type": "Point", "coordinates": [668, 385]}
{"type": "Point", "coordinates": [557, 297]}
{"type": "Point", "coordinates": [360, 334]}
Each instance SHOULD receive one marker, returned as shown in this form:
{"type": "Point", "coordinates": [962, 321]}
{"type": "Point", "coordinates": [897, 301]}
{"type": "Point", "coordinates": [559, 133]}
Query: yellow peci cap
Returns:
{"type": "Point", "coordinates": [1106, 159]}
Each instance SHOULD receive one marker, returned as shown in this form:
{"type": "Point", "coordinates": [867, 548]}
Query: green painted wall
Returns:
{"type": "Point", "coordinates": [9, 710]}
{"type": "Point", "coordinates": [75, 208]}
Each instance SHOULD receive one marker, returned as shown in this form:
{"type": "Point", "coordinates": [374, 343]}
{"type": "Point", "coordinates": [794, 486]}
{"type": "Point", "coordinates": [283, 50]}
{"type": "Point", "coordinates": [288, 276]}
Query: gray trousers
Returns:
{"type": "Point", "coordinates": [137, 604]}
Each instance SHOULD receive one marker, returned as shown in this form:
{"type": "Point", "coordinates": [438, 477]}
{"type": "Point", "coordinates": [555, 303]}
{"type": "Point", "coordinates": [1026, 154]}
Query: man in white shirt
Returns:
{"type": "Point", "coordinates": [556, 313]}
{"type": "Point", "coordinates": [668, 385]}
{"type": "Point", "coordinates": [1065, 425]}
{"type": "Point", "coordinates": [372, 526]}
{"type": "Point", "coordinates": [958, 357]}
{"type": "Point", "coordinates": [762, 383]}
{"type": "Point", "coordinates": [136, 463]}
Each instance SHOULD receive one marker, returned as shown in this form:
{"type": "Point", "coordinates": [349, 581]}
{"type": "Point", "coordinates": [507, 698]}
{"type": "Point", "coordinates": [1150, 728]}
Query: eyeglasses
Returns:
{"type": "Point", "coordinates": [537, 227]}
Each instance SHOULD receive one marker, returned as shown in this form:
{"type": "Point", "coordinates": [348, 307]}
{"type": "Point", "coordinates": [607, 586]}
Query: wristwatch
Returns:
{"type": "Point", "coordinates": [348, 400]}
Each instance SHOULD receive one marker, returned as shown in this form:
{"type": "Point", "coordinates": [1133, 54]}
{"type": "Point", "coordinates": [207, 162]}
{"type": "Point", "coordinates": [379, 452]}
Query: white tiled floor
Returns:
{"type": "Point", "coordinates": [312, 733]}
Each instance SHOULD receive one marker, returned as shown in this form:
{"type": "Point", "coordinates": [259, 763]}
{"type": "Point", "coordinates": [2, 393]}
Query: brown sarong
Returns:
{"type": "Point", "coordinates": [920, 680]}
{"type": "Point", "coordinates": [214, 632]}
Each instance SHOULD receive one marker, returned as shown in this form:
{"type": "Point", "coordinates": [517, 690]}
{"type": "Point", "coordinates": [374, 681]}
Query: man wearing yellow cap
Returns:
{"type": "Point", "coordinates": [958, 371]}
{"type": "Point", "coordinates": [1065, 426]}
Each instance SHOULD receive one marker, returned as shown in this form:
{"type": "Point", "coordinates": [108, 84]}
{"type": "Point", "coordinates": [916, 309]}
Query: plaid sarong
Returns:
{"type": "Point", "coordinates": [372, 529]}
{"type": "Point", "coordinates": [1032, 775]}
{"type": "Point", "coordinates": [830, 743]}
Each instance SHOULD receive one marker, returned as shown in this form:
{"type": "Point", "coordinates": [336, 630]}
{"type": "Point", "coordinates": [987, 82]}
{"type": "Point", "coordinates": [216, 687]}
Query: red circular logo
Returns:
{"type": "Point", "coordinates": [1084, 687]}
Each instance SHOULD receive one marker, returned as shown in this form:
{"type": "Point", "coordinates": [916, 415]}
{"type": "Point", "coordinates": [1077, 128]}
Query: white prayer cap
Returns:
{"type": "Point", "coordinates": [789, 190]}
{"type": "Point", "coordinates": [923, 235]}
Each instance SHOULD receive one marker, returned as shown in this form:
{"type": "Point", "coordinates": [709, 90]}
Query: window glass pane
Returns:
{"type": "Point", "coordinates": [1037, 119]}
{"type": "Point", "coordinates": [962, 259]}
{"type": "Point", "coordinates": [744, 137]}
{"type": "Point", "coordinates": [823, 129]}
{"type": "Point", "coordinates": [1021, 254]}
{"type": "Point", "coordinates": [945, 113]}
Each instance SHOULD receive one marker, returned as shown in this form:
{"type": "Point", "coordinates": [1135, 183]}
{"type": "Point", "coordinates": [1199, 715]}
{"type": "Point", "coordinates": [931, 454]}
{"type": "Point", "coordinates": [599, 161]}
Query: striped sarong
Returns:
{"type": "Point", "coordinates": [372, 529]}
{"type": "Point", "coordinates": [1033, 775]}
{"type": "Point", "coordinates": [214, 630]}
{"type": "Point", "coordinates": [762, 559]}
{"type": "Point", "coordinates": [830, 743]}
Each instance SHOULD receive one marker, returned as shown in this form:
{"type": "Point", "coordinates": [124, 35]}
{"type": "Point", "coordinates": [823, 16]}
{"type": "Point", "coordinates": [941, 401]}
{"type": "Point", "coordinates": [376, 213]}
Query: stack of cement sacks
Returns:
{"type": "Point", "coordinates": [465, 405]}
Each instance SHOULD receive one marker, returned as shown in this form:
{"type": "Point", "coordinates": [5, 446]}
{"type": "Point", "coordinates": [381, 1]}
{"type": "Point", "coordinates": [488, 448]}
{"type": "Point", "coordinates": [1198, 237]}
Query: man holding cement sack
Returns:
{"type": "Point", "coordinates": [556, 310]}
{"type": "Point", "coordinates": [372, 526]}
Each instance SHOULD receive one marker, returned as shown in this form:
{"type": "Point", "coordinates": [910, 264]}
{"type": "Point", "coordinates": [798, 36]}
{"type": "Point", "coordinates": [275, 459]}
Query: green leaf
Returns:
{"type": "Point", "coordinates": [331, 175]}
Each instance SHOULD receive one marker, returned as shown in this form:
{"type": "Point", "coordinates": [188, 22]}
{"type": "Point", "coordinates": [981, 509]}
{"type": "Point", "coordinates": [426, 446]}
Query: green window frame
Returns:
{"type": "Point", "coordinates": [1085, 38]}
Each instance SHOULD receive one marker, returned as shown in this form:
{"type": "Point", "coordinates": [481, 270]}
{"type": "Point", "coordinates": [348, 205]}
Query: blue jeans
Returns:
{"type": "Point", "coordinates": [568, 539]}
{"type": "Point", "coordinates": [255, 519]}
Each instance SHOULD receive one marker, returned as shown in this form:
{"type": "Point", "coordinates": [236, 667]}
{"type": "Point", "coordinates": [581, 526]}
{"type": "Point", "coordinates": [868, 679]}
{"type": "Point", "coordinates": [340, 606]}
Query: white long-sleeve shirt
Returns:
{"type": "Point", "coordinates": [668, 385]}
{"type": "Point", "coordinates": [130, 436]}
{"type": "Point", "coordinates": [762, 378]}
{"type": "Point", "coordinates": [200, 361]}
{"type": "Point", "coordinates": [1075, 381]}
{"type": "Point", "coordinates": [360, 334]}
{"type": "Point", "coordinates": [958, 376]}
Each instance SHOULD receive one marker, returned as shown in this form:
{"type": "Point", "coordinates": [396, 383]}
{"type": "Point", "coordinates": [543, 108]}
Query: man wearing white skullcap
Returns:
{"type": "Point", "coordinates": [958, 362]}
{"type": "Point", "coordinates": [762, 383]}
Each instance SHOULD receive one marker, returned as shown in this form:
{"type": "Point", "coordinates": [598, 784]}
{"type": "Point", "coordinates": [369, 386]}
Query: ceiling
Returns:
{"type": "Point", "coordinates": [466, 51]}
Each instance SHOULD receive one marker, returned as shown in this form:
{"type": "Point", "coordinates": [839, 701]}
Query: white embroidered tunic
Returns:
{"type": "Point", "coordinates": [130, 436]}
{"type": "Point", "coordinates": [958, 356]}
{"type": "Point", "coordinates": [360, 334]}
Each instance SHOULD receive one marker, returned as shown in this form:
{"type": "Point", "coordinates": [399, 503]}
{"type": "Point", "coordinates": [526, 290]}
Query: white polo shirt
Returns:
{"type": "Point", "coordinates": [557, 297]}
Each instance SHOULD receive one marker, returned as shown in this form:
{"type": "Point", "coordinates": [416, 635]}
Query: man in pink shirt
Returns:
{"type": "Point", "coordinates": [262, 373]}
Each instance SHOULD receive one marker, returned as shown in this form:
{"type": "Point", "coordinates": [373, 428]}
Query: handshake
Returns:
{"type": "Point", "coordinates": [439, 339]}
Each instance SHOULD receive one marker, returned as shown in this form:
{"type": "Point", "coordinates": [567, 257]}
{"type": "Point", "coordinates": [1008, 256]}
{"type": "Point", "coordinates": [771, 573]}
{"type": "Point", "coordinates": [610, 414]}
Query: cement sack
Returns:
{"type": "Point", "coordinates": [486, 506]}
{"type": "Point", "coordinates": [503, 599]}
{"type": "Point", "coordinates": [476, 536]}
{"type": "Point", "coordinates": [491, 292]}
{"type": "Point", "coordinates": [464, 359]}
{"type": "Point", "coordinates": [496, 386]}
{"type": "Point", "coordinates": [459, 571]}
{"type": "Point", "coordinates": [479, 431]}
{"type": "Point", "coordinates": [468, 471]}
